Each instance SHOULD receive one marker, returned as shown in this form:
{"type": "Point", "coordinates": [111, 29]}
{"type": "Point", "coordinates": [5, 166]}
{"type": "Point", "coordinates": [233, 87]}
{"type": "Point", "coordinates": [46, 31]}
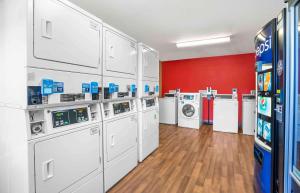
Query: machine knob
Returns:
{"type": "Point", "coordinates": [35, 129]}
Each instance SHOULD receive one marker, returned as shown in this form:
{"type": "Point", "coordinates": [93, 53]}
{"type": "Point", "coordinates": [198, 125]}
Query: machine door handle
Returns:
{"type": "Point", "coordinates": [112, 140]}
{"type": "Point", "coordinates": [111, 51]}
{"type": "Point", "coordinates": [46, 29]}
{"type": "Point", "coordinates": [48, 169]}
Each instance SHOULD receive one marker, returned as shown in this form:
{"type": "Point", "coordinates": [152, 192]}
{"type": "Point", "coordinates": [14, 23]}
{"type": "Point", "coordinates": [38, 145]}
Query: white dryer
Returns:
{"type": "Point", "coordinates": [189, 110]}
{"type": "Point", "coordinates": [70, 40]}
{"type": "Point", "coordinates": [119, 53]}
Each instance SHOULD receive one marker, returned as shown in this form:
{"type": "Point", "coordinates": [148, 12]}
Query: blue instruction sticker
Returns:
{"type": "Point", "coordinates": [111, 88]}
{"type": "Point", "coordinates": [47, 87]}
{"type": "Point", "coordinates": [58, 87]}
{"type": "Point", "coordinates": [133, 88]}
{"type": "Point", "coordinates": [146, 88]}
{"type": "Point", "coordinates": [157, 88]}
{"type": "Point", "coordinates": [86, 87]}
{"type": "Point", "coordinates": [94, 88]}
{"type": "Point", "coordinates": [116, 88]}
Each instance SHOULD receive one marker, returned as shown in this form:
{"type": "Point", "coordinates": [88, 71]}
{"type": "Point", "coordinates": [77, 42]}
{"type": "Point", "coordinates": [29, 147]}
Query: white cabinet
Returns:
{"type": "Point", "coordinates": [249, 114]}
{"type": "Point", "coordinates": [120, 54]}
{"type": "Point", "coordinates": [63, 160]}
{"type": "Point", "coordinates": [148, 62]}
{"type": "Point", "coordinates": [64, 34]}
{"type": "Point", "coordinates": [225, 115]}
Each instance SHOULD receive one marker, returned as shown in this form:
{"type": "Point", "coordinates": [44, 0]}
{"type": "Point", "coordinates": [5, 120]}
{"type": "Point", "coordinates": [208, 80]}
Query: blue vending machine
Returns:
{"type": "Point", "coordinates": [269, 134]}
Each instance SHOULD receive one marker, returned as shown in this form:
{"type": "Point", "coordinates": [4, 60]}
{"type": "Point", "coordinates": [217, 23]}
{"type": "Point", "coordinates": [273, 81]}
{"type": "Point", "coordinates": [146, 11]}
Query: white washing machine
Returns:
{"type": "Point", "coordinates": [50, 140]}
{"type": "Point", "coordinates": [226, 113]}
{"type": "Point", "coordinates": [168, 109]}
{"type": "Point", "coordinates": [65, 149]}
{"type": "Point", "coordinates": [248, 114]}
{"type": "Point", "coordinates": [148, 126]}
{"type": "Point", "coordinates": [189, 110]}
{"type": "Point", "coordinates": [120, 127]}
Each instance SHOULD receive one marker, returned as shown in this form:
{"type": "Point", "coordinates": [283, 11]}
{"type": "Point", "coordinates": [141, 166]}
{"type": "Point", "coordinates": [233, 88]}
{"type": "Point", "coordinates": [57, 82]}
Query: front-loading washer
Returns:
{"type": "Point", "coordinates": [189, 110]}
{"type": "Point", "coordinates": [65, 149]}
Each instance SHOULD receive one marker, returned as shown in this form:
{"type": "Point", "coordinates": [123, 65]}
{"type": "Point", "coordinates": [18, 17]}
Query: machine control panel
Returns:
{"type": "Point", "coordinates": [34, 95]}
{"type": "Point", "coordinates": [188, 97]}
{"type": "Point", "coordinates": [150, 102]}
{"type": "Point", "coordinates": [48, 91]}
{"type": "Point", "coordinates": [121, 107]}
{"type": "Point", "coordinates": [123, 94]}
{"type": "Point", "coordinates": [71, 97]}
{"type": "Point", "coordinates": [69, 117]}
{"type": "Point", "coordinates": [119, 91]}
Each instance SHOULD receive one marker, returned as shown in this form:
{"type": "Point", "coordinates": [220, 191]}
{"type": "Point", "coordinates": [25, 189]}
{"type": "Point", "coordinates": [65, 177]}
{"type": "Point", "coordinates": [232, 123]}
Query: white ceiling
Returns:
{"type": "Point", "coordinates": [162, 23]}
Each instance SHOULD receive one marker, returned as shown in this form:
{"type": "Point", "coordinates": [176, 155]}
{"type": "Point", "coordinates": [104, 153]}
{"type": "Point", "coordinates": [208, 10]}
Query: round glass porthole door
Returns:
{"type": "Point", "coordinates": [188, 110]}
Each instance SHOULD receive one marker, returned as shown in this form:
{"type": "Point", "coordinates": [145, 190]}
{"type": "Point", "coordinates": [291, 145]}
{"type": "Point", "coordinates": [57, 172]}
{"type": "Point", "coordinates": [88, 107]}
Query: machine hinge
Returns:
{"type": "Point", "coordinates": [100, 160]}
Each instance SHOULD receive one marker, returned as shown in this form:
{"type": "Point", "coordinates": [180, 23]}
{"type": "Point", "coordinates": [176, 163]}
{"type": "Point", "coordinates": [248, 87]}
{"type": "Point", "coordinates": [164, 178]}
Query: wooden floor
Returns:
{"type": "Point", "coordinates": [194, 161]}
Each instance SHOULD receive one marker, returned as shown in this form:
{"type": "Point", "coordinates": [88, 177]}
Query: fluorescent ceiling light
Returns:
{"type": "Point", "coordinates": [203, 42]}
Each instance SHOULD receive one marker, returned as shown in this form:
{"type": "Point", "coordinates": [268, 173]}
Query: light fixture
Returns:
{"type": "Point", "coordinates": [261, 37]}
{"type": "Point", "coordinates": [203, 42]}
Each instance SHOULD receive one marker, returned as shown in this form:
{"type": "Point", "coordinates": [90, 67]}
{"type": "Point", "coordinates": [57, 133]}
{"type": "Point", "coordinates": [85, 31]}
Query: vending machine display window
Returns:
{"type": "Point", "coordinates": [265, 106]}
{"type": "Point", "coordinates": [260, 81]}
{"type": "Point", "coordinates": [264, 131]}
{"type": "Point", "coordinates": [267, 132]}
{"type": "Point", "coordinates": [267, 82]}
{"type": "Point", "coordinates": [259, 128]}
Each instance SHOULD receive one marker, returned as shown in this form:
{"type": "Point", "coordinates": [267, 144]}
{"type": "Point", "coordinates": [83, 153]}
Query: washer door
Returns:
{"type": "Point", "coordinates": [62, 161]}
{"type": "Point", "coordinates": [188, 110]}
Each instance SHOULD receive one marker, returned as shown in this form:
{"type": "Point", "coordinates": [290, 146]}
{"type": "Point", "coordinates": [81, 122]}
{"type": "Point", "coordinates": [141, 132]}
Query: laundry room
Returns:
{"type": "Point", "coordinates": [161, 96]}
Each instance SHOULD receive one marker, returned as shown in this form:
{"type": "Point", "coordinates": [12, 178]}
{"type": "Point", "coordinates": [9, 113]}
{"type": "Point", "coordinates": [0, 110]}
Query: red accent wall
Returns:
{"type": "Point", "coordinates": [222, 73]}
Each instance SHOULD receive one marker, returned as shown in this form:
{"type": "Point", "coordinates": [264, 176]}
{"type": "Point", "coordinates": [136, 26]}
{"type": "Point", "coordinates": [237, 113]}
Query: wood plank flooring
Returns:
{"type": "Point", "coordinates": [189, 161]}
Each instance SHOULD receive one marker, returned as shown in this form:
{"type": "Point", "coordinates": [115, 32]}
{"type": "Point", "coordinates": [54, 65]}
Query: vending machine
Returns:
{"type": "Point", "coordinates": [269, 134]}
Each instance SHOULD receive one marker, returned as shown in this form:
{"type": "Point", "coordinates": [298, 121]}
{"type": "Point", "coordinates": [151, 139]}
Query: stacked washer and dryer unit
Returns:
{"type": "Point", "coordinates": [148, 104]}
{"type": "Point", "coordinates": [119, 106]}
{"type": "Point", "coordinates": [51, 125]}
{"type": "Point", "coordinates": [69, 107]}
